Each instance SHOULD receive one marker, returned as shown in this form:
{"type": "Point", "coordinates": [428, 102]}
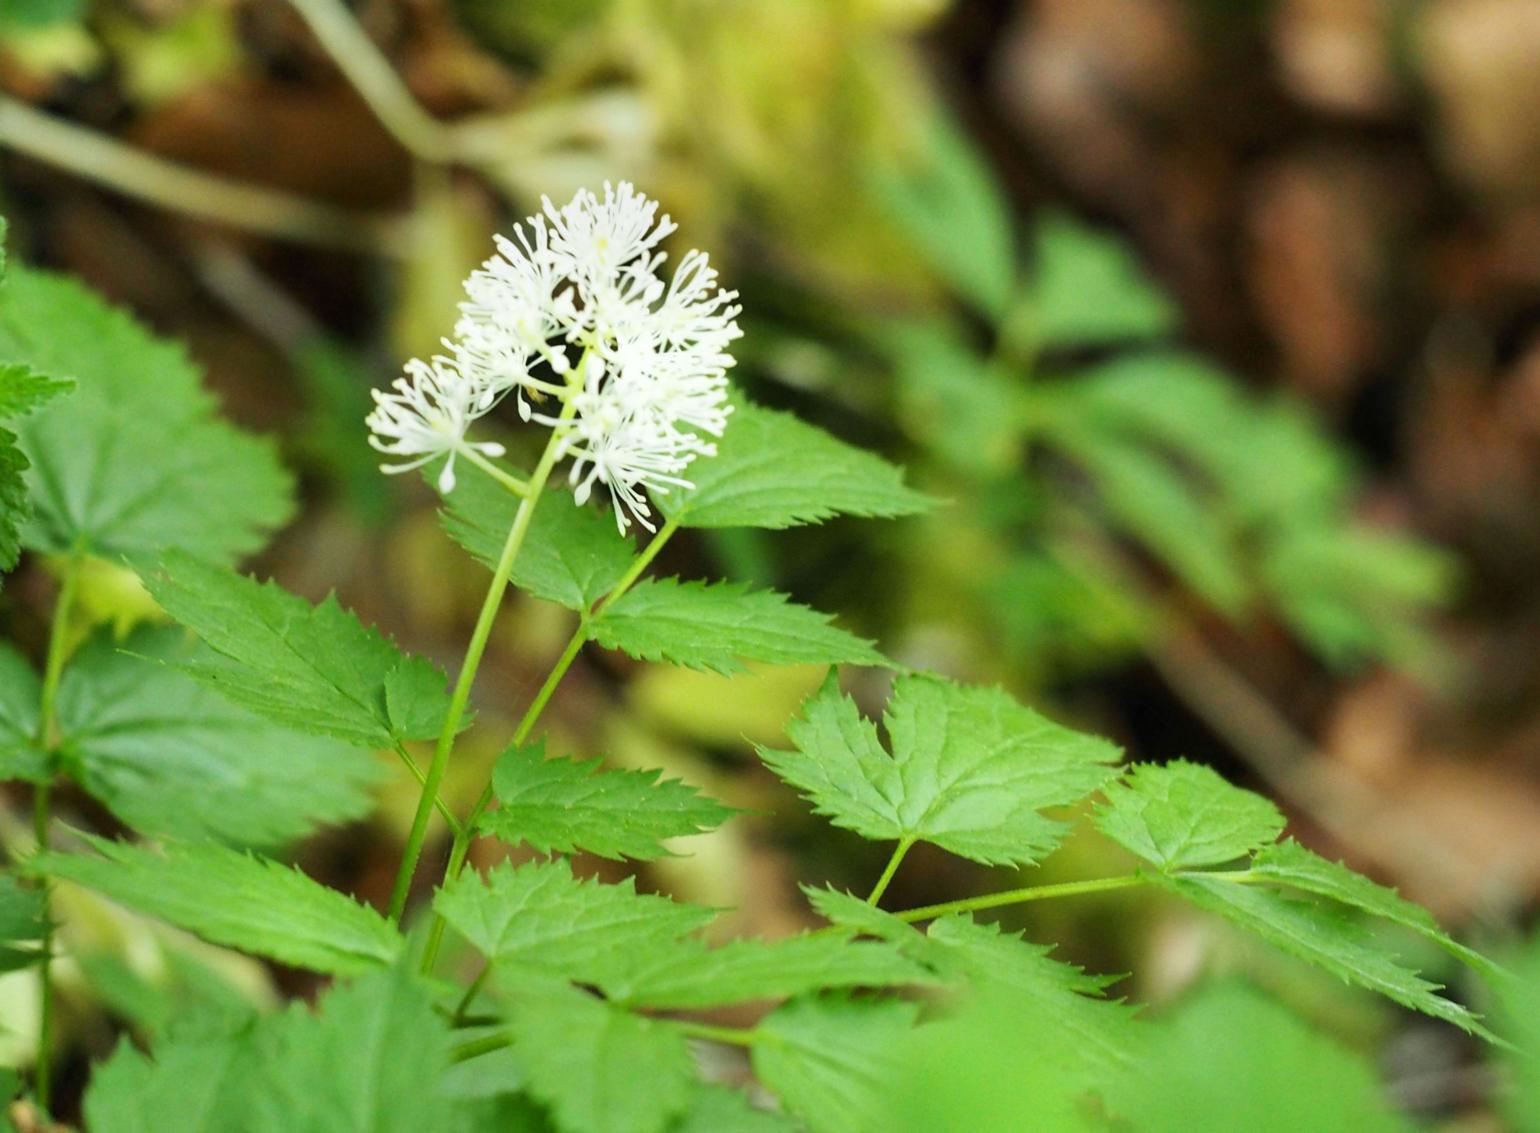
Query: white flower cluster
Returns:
{"type": "Point", "coordinates": [574, 310]}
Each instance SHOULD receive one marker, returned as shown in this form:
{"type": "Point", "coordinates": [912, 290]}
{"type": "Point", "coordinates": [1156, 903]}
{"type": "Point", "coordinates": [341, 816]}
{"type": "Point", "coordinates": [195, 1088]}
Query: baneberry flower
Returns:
{"type": "Point", "coordinates": [575, 308]}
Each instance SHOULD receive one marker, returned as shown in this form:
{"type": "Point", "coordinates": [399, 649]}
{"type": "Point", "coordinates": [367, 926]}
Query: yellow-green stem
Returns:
{"type": "Point", "coordinates": [460, 848]}
{"type": "Point", "coordinates": [1020, 896]}
{"type": "Point", "coordinates": [460, 697]}
{"type": "Point", "coordinates": [53, 669]}
{"type": "Point", "coordinates": [892, 867]}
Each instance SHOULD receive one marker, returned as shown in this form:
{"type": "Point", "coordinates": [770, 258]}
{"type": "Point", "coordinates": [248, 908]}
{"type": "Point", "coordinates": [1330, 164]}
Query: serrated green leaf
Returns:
{"type": "Point", "coordinates": [1182, 814]}
{"type": "Point", "coordinates": [563, 805]}
{"type": "Point", "coordinates": [316, 669]}
{"type": "Point", "coordinates": [538, 917]}
{"type": "Point", "coordinates": [773, 470]}
{"type": "Point", "coordinates": [227, 897]}
{"type": "Point", "coordinates": [831, 1059]}
{"type": "Point", "coordinates": [170, 757]}
{"type": "Point", "coordinates": [572, 555]}
{"type": "Point", "coordinates": [690, 974]}
{"type": "Point", "coordinates": [971, 769]}
{"type": "Point", "coordinates": [1229, 1059]}
{"type": "Point", "coordinates": [23, 917]}
{"type": "Point", "coordinates": [1088, 290]}
{"type": "Point", "coordinates": [1289, 863]}
{"type": "Point", "coordinates": [1320, 935]}
{"type": "Point", "coordinates": [22, 390]}
{"type": "Point", "coordinates": [20, 690]}
{"type": "Point", "coordinates": [180, 1091]}
{"type": "Point", "coordinates": [134, 461]}
{"type": "Point", "coordinates": [720, 626]}
{"type": "Point", "coordinates": [600, 1069]}
{"type": "Point", "coordinates": [989, 963]}
{"type": "Point", "coordinates": [1059, 995]}
{"type": "Point", "coordinates": [368, 1060]}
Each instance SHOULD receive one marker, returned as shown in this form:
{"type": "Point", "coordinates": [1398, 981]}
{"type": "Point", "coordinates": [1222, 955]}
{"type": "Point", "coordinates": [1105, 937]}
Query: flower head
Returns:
{"type": "Point", "coordinates": [575, 308]}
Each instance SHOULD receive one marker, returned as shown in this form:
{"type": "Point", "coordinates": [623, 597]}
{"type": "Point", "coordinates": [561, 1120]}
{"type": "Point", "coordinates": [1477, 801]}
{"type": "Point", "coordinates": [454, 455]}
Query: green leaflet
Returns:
{"type": "Point", "coordinates": [971, 769]}
{"type": "Point", "coordinates": [562, 805]}
{"type": "Point", "coordinates": [539, 918]}
{"type": "Point", "coordinates": [1181, 814]}
{"type": "Point", "coordinates": [720, 626]}
{"type": "Point", "coordinates": [600, 1069]}
{"type": "Point", "coordinates": [572, 555]}
{"type": "Point", "coordinates": [1230, 1059]}
{"type": "Point", "coordinates": [231, 898]}
{"type": "Point", "coordinates": [832, 1058]}
{"type": "Point", "coordinates": [1321, 935]}
{"type": "Point", "coordinates": [20, 690]}
{"type": "Point", "coordinates": [21, 391]}
{"type": "Point", "coordinates": [1290, 864]}
{"type": "Point", "coordinates": [1088, 290]}
{"type": "Point", "coordinates": [773, 470]}
{"type": "Point", "coordinates": [134, 461]}
{"type": "Point", "coordinates": [314, 669]}
{"type": "Point", "coordinates": [689, 974]}
{"type": "Point", "coordinates": [23, 914]}
{"type": "Point", "coordinates": [170, 756]}
{"type": "Point", "coordinates": [984, 962]}
{"type": "Point", "coordinates": [368, 1060]}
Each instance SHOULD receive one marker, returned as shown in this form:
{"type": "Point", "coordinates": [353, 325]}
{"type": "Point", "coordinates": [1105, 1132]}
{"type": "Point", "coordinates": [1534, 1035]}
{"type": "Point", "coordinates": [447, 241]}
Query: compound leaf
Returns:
{"type": "Point", "coordinates": [600, 1069]}
{"type": "Point", "coordinates": [773, 470]}
{"type": "Point", "coordinates": [171, 757]}
{"type": "Point", "coordinates": [563, 805]}
{"type": "Point", "coordinates": [1320, 935]}
{"type": "Point", "coordinates": [228, 897]}
{"type": "Point", "coordinates": [20, 690]}
{"type": "Point", "coordinates": [314, 669]}
{"type": "Point", "coordinates": [134, 461]}
{"type": "Point", "coordinates": [572, 555]}
{"type": "Point", "coordinates": [971, 769]}
{"type": "Point", "coordinates": [720, 626]}
{"type": "Point", "coordinates": [1182, 814]}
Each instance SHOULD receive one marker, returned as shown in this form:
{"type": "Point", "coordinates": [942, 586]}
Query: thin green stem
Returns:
{"type": "Point", "coordinates": [462, 691]}
{"type": "Point", "coordinates": [376, 80]}
{"type": "Point", "coordinates": [733, 1036]}
{"type": "Point", "coordinates": [463, 1007]}
{"type": "Point", "coordinates": [135, 173]}
{"type": "Point", "coordinates": [486, 1044]}
{"type": "Point", "coordinates": [887, 874]}
{"type": "Point", "coordinates": [1020, 896]}
{"type": "Point", "coordinates": [460, 849]}
{"type": "Point", "coordinates": [53, 669]}
{"type": "Point", "coordinates": [422, 781]}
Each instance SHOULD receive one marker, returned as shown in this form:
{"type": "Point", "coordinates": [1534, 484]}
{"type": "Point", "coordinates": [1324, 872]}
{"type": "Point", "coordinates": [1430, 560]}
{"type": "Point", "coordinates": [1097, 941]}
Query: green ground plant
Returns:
{"type": "Point", "coordinates": [213, 747]}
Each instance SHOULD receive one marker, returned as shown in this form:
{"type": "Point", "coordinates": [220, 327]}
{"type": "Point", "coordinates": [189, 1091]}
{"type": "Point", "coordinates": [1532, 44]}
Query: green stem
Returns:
{"type": "Point", "coordinates": [460, 849]}
{"type": "Point", "coordinates": [887, 874]}
{"type": "Point", "coordinates": [733, 1036]}
{"type": "Point", "coordinates": [182, 188]}
{"type": "Point", "coordinates": [486, 1044]}
{"type": "Point", "coordinates": [1020, 896]}
{"type": "Point", "coordinates": [422, 781]}
{"type": "Point", "coordinates": [473, 652]}
{"type": "Point", "coordinates": [463, 1007]}
{"type": "Point", "coordinates": [53, 669]}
